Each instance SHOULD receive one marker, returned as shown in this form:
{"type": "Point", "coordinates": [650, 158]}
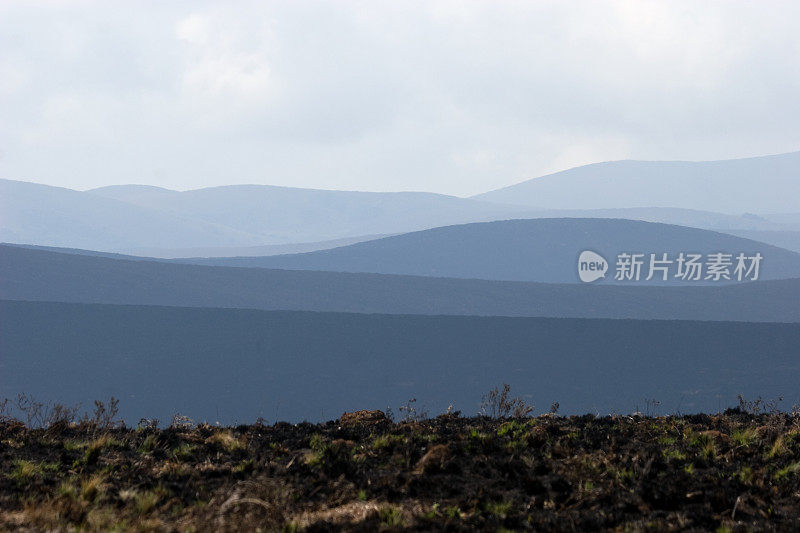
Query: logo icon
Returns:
{"type": "Point", "coordinates": [591, 266]}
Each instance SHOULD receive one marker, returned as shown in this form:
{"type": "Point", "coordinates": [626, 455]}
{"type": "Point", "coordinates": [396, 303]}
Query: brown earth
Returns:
{"type": "Point", "coordinates": [726, 472]}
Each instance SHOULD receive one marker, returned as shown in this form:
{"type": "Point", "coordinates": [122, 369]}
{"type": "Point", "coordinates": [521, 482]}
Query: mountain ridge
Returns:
{"type": "Point", "coordinates": [689, 184]}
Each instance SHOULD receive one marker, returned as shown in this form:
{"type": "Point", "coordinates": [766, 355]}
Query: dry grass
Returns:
{"type": "Point", "coordinates": [621, 473]}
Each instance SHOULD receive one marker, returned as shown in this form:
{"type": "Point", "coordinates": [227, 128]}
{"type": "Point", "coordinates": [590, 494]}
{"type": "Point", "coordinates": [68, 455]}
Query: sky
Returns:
{"type": "Point", "coordinates": [455, 97]}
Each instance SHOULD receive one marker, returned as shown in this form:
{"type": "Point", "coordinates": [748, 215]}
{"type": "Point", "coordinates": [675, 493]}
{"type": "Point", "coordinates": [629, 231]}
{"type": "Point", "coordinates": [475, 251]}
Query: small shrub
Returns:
{"type": "Point", "coordinates": [92, 487]}
{"type": "Point", "coordinates": [44, 415]}
{"type": "Point", "coordinates": [391, 517]}
{"type": "Point", "coordinates": [182, 452]}
{"type": "Point", "coordinates": [180, 421]}
{"type": "Point", "coordinates": [149, 444]}
{"type": "Point", "coordinates": [498, 404]}
{"type": "Point", "coordinates": [382, 442]}
{"type": "Point", "coordinates": [498, 509]}
{"type": "Point", "coordinates": [759, 406]}
{"type": "Point", "coordinates": [225, 440]}
{"type": "Point", "coordinates": [147, 423]}
{"type": "Point", "coordinates": [146, 501]}
{"type": "Point", "coordinates": [779, 447]}
{"type": "Point", "coordinates": [788, 471]}
{"type": "Point", "coordinates": [104, 416]}
{"type": "Point", "coordinates": [244, 466]}
{"type": "Point", "coordinates": [410, 412]}
{"type": "Point", "coordinates": [96, 446]}
{"type": "Point", "coordinates": [24, 470]}
{"type": "Point", "coordinates": [744, 437]}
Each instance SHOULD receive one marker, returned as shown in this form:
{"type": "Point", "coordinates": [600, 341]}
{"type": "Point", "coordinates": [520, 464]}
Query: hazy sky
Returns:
{"type": "Point", "coordinates": [456, 97]}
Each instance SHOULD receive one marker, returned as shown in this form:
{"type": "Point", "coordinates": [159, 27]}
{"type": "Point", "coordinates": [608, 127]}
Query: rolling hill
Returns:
{"type": "Point", "coordinates": [53, 216]}
{"type": "Point", "coordinates": [788, 240]}
{"type": "Point", "coordinates": [30, 274]}
{"type": "Point", "coordinates": [753, 185]}
{"type": "Point", "coordinates": [538, 250]}
{"type": "Point", "coordinates": [233, 365]}
{"type": "Point", "coordinates": [283, 215]}
{"type": "Point", "coordinates": [250, 219]}
{"type": "Point", "coordinates": [152, 220]}
{"type": "Point", "coordinates": [247, 251]}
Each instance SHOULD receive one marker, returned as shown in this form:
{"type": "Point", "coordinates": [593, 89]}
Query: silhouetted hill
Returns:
{"type": "Point", "coordinates": [753, 185]}
{"type": "Point", "coordinates": [29, 274]}
{"type": "Point", "coordinates": [540, 250]}
{"type": "Point", "coordinates": [235, 365]}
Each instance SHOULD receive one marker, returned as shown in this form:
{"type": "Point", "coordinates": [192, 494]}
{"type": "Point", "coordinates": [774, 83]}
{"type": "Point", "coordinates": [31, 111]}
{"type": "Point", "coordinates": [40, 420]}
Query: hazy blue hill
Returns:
{"type": "Point", "coordinates": [540, 250]}
{"type": "Point", "coordinates": [165, 254]}
{"type": "Point", "coordinates": [249, 219]}
{"type": "Point", "coordinates": [291, 215]}
{"type": "Point", "coordinates": [151, 219]}
{"type": "Point", "coordinates": [678, 216]}
{"type": "Point", "coordinates": [753, 185]}
{"type": "Point", "coordinates": [54, 216]}
{"type": "Point", "coordinates": [248, 251]}
{"type": "Point", "coordinates": [783, 218]}
{"type": "Point", "coordinates": [80, 251]}
{"type": "Point", "coordinates": [788, 240]}
{"type": "Point", "coordinates": [28, 274]}
{"type": "Point", "coordinates": [235, 365]}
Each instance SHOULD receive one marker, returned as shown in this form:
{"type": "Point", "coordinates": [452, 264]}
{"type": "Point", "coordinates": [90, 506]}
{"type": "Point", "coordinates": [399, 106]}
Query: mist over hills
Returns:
{"type": "Point", "coordinates": [321, 312]}
{"type": "Point", "coordinates": [538, 250]}
{"type": "Point", "coordinates": [150, 220]}
{"type": "Point", "coordinates": [147, 220]}
{"type": "Point", "coordinates": [248, 251]}
{"type": "Point", "coordinates": [234, 365]}
{"type": "Point", "coordinates": [29, 274]}
{"type": "Point", "coordinates": [54, 216]}
{"type": "Point", "coordinates": [290, 215]}
{"type": "Point", "coordinates": [752, 185]}
{"type": "Point", "coordinates": [788, 240]}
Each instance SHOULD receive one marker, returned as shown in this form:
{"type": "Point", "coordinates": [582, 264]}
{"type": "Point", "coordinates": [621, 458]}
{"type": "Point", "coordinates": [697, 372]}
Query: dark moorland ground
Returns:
{"type": "Point", "coordinates": [728, 472]}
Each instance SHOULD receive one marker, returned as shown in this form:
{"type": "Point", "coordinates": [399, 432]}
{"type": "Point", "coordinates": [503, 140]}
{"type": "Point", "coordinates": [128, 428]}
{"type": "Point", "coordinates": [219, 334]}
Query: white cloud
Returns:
{"type": "Point", "coordinates": [231, 75]}
{"type": "Point", "coordinates": [447, 96]}
{"type": "Point", "coordinates": [193, 29]}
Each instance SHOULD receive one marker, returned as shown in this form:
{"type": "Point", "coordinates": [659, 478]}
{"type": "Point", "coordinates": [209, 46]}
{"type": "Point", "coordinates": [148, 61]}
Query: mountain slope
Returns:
{"type": "Point", "coordinates": [28, 274]}
{"type": "Point", "coordinates": [540, 250]}
{"type": "Point", "coordinates": [144, 220]}
{"type": "Point", "coordinates": [235, 365]}
{"type": "Point", "coordinates": [754, 185]}
{"type": "Point", "coordinates": [290, 215]}
{"type": "Point", "coordinates": [54, 216]}
{"type": "Point", "coordinates": [788, 240]}
{"type": "Point", "coordinates": [248, 251]}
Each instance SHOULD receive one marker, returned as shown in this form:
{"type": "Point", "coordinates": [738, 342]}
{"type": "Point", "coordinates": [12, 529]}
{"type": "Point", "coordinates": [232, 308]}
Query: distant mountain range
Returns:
{"type": "Point", "coordinates": [224, 221]}
{"type": "Point", "coordinates": [29, 274]}
{"type": "Point", "coordinates": [280, 215]}
{"type": "Point", "coordinates": [769, 184]}
{"type": "Point", "coordinates": [300, 304]}
{"type": "Point", "coordinates": [538, 250]}
{"type": "Point", "coordinates": [256, 251]}
{"type": "Point", "coordinates": [234, 365]}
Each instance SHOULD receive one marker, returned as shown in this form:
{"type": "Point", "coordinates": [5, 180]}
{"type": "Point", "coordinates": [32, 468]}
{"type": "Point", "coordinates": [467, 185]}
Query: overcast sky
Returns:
{"type": "Point", "coordinates": [454, 97]}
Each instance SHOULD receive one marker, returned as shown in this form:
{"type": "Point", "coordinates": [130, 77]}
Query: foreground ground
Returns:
{"type": "Point", "coordinates": [727, 472]}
